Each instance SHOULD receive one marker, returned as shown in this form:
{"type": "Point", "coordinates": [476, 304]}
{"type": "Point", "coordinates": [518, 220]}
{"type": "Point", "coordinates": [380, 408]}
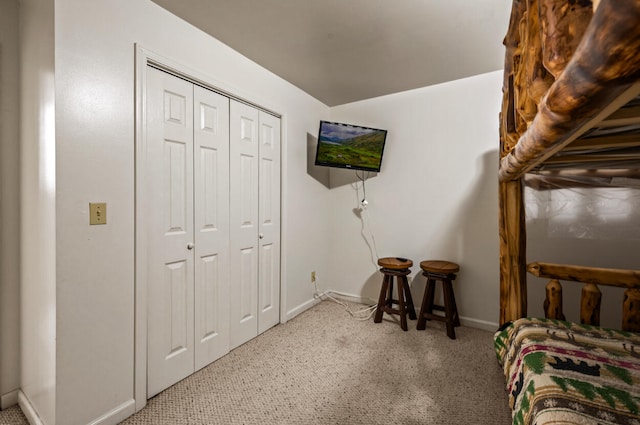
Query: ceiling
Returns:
{"type": "Point", "coordinates": [341, 51]}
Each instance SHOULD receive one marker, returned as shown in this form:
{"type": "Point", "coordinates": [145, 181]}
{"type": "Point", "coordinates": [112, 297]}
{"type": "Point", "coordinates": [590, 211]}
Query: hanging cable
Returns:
{"type": "Point", "coordinates": [365, 218]}
{"type": "Point", "coordinates": [373, 238]}
{"type": "Point", "coordinates": [363, 179]}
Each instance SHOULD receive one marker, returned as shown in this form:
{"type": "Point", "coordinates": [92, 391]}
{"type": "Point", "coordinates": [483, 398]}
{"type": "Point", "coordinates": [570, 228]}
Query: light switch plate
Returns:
{"type": "Point", "coordinates": [97, 213]}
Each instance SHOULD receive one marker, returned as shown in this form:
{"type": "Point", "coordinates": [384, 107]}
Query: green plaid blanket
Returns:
{"type": "Point", "coordinates": [565, 373]}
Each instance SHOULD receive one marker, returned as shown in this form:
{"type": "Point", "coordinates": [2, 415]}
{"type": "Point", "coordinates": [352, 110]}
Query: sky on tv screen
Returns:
{"type": "Point", "coordinates": [335, 132]}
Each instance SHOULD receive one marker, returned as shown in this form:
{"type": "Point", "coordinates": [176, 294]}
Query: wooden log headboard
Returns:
{"type": "Point", "coordinates": [591, 277]}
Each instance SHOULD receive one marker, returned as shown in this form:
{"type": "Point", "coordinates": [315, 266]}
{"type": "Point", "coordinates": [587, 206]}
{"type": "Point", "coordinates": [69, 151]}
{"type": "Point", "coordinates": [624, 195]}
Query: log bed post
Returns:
{"type": "Point", "coordinates": [513, 288]}
{"type": "Point", "coordinates": [590, 301]}
{"type": "Point", "coordinates": [631, 310]}
{"type": "Point", "coordinates": [513, 265]}
{"type": "Point", "coordinates": [553, 301]}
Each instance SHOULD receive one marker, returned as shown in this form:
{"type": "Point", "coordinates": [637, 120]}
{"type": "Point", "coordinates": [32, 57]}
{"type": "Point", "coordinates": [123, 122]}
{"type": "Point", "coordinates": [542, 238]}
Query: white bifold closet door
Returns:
{"type": "Point", "coordinates": [186, 214]}
{"type": "Point", "coordinates": [255, 222]}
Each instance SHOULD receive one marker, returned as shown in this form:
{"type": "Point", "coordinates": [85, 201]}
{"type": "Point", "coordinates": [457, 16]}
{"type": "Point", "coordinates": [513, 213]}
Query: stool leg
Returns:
{"type": "Point", "coordinates": [382, 300]}
{"type": "Point", "coordinates": [408, 298]}
{"type": "Point", "coordinates": [449, 307]}
{"type": "Point", "coordinates": [403, 310]}
{"type": "Point", "coordinates": [456, 321]}
{"type": "Point", "coordinates": [432, 294]}
{"type": "Point", "coordinates": [427, 304]}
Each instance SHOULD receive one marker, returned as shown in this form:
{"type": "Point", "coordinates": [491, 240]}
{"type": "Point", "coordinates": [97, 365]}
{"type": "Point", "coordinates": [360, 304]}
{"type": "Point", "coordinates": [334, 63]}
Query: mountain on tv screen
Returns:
{"type": "Point", "coordinates": [350, 146]}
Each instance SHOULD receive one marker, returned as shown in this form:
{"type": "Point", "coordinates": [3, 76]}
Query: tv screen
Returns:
{"type": "Point", "coordinates": [350, 146]}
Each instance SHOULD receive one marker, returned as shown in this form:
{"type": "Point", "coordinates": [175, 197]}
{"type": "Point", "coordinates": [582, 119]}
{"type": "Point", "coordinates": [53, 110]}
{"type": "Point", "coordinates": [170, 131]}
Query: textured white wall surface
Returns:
{"type": "Point", "coordinates": [436, 194]}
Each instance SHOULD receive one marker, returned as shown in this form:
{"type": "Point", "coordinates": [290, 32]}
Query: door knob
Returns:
{"type": "Point", "coordinates": [190, 245]}
{"type": "Point", "coordinates": [261, 235]}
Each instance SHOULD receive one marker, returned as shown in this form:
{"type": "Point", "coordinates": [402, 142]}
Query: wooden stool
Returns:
{"type": "Point", "coordinates": [398, 267]}
{"type": "Point", "coordinates": [445, 272]}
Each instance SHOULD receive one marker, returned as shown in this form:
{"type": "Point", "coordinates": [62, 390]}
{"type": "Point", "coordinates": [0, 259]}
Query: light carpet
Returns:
{"type": "Point", "coordinates": [324, 367]}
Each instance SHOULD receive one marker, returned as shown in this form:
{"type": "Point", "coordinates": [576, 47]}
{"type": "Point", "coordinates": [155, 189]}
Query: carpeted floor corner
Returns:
{"type": "Point", "coordinates": [324, 367]}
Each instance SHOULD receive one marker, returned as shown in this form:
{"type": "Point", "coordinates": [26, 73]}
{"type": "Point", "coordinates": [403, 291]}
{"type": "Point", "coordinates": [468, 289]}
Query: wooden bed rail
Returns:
{"type": "Point", "coordinates": [591, 277]}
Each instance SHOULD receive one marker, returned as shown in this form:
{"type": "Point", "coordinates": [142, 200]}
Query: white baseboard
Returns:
{"type": "Point", "coordinates": [117, 415]}
{"type": "Point", "coordinates": [28, 410]}
{"type": "Point", "coordinates": [113, 417]}
{"type": "Point", "coordinates": [340, 295]}
{"type": "Point", "coordinates": [478, 324]}
{"type": "Point", "coordinates": [9, 399]}
{"type": "Point", "coordinates": [350, 297]}
{"type": "Point", "coordinates": [465, 321]}
{"type": "Point", "coordinates": [301, 308]}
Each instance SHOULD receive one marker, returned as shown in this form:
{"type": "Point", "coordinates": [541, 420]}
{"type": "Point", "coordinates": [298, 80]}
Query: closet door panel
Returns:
{"type": "Point", "coordinates": [244, 168]}
{"type": "Point", "coordinates": [246, 288]}
{"type": "Point", "coordinates": [211, 188]}
{"type": "Point", "coordinates": [170, 267]}
{"type": "Point", "coordinates": [269, 222]}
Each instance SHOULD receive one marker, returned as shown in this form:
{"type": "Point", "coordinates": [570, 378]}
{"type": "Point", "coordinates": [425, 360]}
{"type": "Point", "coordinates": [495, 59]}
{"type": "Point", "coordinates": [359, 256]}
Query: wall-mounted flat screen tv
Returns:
{"type": "Point", "coordinates": [350, 146]}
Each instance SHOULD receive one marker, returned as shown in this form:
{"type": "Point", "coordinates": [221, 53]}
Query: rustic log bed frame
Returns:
{"type": "Point", "coordinates": [571, 106]}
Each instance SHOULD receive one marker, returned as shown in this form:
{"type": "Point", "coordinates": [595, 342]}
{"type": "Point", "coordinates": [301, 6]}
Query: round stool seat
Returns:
{"type": "Point", "coordinates": [441, 267]}
{"type": "Point", "coordinates": [395, 263]}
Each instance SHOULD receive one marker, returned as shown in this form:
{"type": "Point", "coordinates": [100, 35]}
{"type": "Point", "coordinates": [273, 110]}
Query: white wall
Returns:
{"type": "Point", "coordinates": [435, 197]}
{"type": "Point", "coordinates": [38, 213]}
{"type": "Point", "coordinates": [95, 162]}
{"type": "Point", "coordinates": [9, 204]}
{"type": "Point", "coordinates": [590, 227]}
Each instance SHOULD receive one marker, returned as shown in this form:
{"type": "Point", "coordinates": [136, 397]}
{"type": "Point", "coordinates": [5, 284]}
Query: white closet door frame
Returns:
{"type": "Point", "coordinates": [144, 57]}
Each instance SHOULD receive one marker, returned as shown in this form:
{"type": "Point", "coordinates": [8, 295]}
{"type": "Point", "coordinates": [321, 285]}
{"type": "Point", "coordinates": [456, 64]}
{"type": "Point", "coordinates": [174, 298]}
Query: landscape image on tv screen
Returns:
{"type": "Point", "coordinates": [350, 146]}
